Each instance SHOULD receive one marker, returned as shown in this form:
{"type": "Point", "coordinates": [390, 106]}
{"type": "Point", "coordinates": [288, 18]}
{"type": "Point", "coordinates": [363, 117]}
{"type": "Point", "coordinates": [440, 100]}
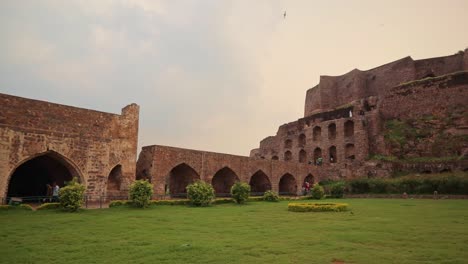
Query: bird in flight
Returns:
{"type": "Point", "coordinates": [284, 15]}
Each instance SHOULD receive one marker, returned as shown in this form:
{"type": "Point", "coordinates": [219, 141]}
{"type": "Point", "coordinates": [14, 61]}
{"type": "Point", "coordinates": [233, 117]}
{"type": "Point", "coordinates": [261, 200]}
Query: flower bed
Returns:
{"type": "Point", "coordinates": [317, 207]}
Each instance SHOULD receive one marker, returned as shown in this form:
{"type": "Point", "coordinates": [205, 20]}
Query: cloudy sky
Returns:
{"type": "Point", "coordinates": [215, 75]}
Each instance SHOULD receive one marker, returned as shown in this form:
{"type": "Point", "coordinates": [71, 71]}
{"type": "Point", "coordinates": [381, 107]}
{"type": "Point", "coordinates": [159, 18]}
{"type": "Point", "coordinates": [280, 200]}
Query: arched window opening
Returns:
{"type": "Point", "coordinates": [223, 180]}
{"type": "Point", "coordinates": [332, 154]}
{"type": "Point", "coordinates": [302, 156]}
{"type": "Point", "coordinates": [287, 156]}
{"type": "Point", "coordinates": [259, 183]}
{"type": "Point", "coordinates": [317, 133]}
{"type": "Point", "coordinates": [275, 158]}
{"type": "Point", "coordinates": [349, 128]}
{"type": "Point", "coordinates": [332, 131]}
{"type": "Point", "coordinates": [318, 156]}
{"type": "Point", "coordinates": [287, 185]}
{"type": "Point", "coordinates": [349, 152]}
{"type": "Point", "coordinates": [179, 178]}
{"type": "Point", "coordinates": [302, 140]}
{"type": "Point", "coordinates": [288, 144]}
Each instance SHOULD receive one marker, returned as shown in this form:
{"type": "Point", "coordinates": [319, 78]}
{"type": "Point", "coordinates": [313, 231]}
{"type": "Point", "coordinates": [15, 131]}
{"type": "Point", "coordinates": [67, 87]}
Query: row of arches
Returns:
{"type": "Point", "coordinates": [317, 134]}
{"type": "Point", "coordinates": [317, 154]}
{"type": "Point", "coordinates": [183, 175]}
{"type": "Point", "coordinates": [33, 175]}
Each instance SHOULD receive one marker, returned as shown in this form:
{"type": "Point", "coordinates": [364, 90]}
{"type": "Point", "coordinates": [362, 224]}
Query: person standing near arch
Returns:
{"type": "Point", "coordinates": [55, 192]}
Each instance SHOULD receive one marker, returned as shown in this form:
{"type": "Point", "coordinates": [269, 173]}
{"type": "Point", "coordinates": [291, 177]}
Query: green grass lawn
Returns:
{"type": "Point", "coordinates": [378, 231]}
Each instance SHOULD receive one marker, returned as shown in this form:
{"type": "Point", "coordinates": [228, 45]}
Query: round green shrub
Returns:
{"type": "Point", "coordinates": [271, 196]}
{"type": "Point", "coordinates": [71, 196]}
{"type": "Point", "coordinates": [337, 190]}
{"type": "Point", "coordinates": [317, 192]}
{"type": "Point", "coordinates": [140, 193]}
{"type": "Point", "coordinates": [240, 192]}
{"type": "Point", "coordinates": [200, 193]}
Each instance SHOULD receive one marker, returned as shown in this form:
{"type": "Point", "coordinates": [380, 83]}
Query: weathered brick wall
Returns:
{"type": "Point", "coordinates": [207, 164]}
{"type": "Point", "coordinates": [91, 143]}
{"type": "Point", "coordinates": [336, 91]}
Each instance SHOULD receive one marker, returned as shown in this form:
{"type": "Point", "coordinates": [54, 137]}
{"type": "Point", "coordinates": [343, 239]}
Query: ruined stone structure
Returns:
{"type": "Point", "coordinates": [42, 143]}
{"type": "Point", "coordinates": [402, 112]}
{"type": "Point", "coordinates": [172, 169]}
{"type": "Point", "coordinates": [405, 116]}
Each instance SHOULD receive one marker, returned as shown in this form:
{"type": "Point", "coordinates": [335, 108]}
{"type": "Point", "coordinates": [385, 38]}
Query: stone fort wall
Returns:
{"type": "Point", "coordinates": [89, 143]}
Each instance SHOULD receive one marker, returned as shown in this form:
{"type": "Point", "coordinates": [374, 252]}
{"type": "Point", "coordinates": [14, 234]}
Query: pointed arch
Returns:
{"type": "Point", "coordinates": [287, 185]}
{"type": "Point", "coordinates": [179, 177]}
{"type": "Point", "coordinates": [310, 179]}
{"type": "Point", "coordinates": [259, 183]}
{"type": "Point", "coordinates": [114, 179]}
{"type": "Point", "coordinates": [31, 176]}
{"type": "Point", "coordinates": [223, 180]}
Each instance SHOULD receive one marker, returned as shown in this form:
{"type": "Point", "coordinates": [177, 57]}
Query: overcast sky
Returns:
{"type": "Point", "coordinates": [213, 75]}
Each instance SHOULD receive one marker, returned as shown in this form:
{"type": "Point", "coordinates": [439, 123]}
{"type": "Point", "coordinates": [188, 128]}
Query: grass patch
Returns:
{"type": "Point", "coordinates": [384, 230]}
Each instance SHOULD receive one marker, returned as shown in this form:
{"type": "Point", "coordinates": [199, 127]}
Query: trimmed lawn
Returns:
{"type": "Point", "coordinates": [377, 231]}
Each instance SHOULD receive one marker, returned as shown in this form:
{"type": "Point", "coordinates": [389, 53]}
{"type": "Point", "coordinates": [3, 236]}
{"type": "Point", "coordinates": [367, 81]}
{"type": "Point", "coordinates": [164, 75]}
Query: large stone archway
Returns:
{"type": "Point", "coordinates": [223, 180]}
{"type": "Point", "coordinates": [259, 183]}
{"type": "Point", "coordinates": [31, 177]}
{"type": "Point", "coordinates": [287, 185]}
{"type": "Point", "coordinates": [179, 177]}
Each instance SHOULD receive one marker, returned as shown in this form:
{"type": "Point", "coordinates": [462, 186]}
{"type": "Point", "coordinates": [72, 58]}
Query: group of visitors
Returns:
{"type": "Point", "coordinates": [53, 191]}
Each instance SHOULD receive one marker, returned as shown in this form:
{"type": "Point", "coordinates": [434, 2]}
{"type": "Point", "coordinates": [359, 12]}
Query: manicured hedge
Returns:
{"type": "Point", "coordinates": [317, 207]}
{"type": "Point", "coordinates": [422, 184]}
{"type": "Point", "coordinates": [14, 207]}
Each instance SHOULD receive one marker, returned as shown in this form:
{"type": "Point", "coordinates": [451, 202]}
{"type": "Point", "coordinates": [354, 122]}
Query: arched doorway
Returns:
{"type": "Point", "coordinates": [287, 185]}
{"type": "Point", "coordinates": [223, 180]}
{"type": "Point", "coordinates": [114, 180]}
{"type": "Point", "coordinates": [179, 177]}
{"type": "Point", "coordinates": [32, 176]}
{"type": "Point", "coordinates": [310, 179]}
{"type": "Point", "coordinates": [259, 183]}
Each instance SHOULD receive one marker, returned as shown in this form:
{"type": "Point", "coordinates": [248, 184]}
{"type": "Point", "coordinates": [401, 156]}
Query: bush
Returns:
{"type": "Point", "coordinates": [71, 196]}
{"type": "Point", "coordinates": [200, 193]}
{"type": "Point", "coordinates": [21, 206]}
{"type": "Point", "coordinates": [47, 206]}
{"type": "Point", "coordinates": [140, 193]}
{"type": "Point", "coordinates": [337, 189]}
{"type": "Point", "coordinates": [223, 201]}
{"type": "Point", "coordinates": [317, 207]}
{"type": "Point", "coordinates": [5, 207]}
{"type": "Point", "coordinates": [317, 192]}
{"type": "Point", "coordinates": [240, 192]}
{"type": "Point", "coordinates": [271, 196]}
